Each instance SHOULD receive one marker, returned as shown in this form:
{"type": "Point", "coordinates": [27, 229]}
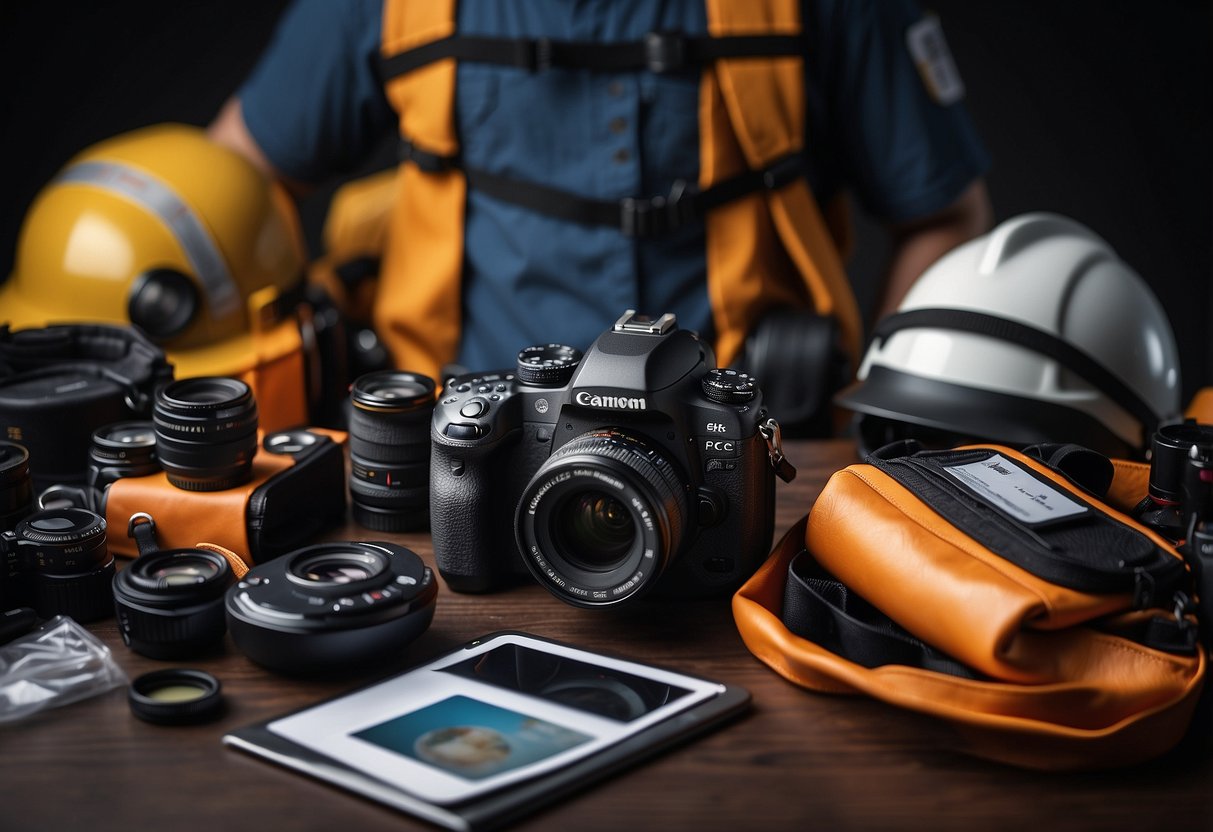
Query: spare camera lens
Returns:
{"type": "Point", "coordinates": [1163, 508]}
{"type": "Point", "coordinates": [332, 606]}
{"type": "Point", "coordinates": [206, 432]}
{"type": "Point", "coordinates": [16, 491]}
{"type": "Point", "coordinates": [390, 450]}
{"type": "Point", "coordinates": [601, 519]}
{"type": "Point", "coordinates": [169, 603]}
{"type": "Point", "coordinates": [123, 449]}
{"type": "Point", "coordinates": [66, 563]}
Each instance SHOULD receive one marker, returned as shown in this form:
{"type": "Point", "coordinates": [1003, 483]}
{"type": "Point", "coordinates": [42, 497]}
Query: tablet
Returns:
{"type": "Point", "coordinates": [479, 735]}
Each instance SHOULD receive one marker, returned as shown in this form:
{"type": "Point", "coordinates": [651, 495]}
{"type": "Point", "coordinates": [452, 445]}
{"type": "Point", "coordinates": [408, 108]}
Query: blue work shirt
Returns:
{"type": "Point", "coordinates": [315, 104]}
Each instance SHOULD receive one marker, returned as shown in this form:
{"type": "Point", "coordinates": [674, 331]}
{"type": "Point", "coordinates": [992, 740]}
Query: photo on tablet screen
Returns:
{"type": "Point", "coordinates": [471, 739]}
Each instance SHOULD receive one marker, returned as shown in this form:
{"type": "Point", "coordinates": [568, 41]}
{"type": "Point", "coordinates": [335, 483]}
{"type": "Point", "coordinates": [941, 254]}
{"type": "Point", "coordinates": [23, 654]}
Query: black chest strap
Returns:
{"type": "Point", "coordinates": [657, 52]}
{"type": "Point", "coordinates": [639, 217]}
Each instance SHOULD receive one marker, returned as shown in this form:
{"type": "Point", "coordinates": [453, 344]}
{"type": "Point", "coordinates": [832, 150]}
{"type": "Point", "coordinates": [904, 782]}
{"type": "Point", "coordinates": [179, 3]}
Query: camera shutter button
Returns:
{"type": "Point", "coordinates": [474, 409]}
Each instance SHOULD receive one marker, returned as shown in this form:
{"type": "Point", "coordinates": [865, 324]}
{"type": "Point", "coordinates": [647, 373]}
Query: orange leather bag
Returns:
{"type": "Point", "coordinates": [983, 587]}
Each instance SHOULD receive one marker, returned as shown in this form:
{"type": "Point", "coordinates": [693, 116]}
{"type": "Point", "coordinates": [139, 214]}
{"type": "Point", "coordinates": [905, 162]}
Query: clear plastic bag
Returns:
{"type": "Point", "coordinates": [59, 663]}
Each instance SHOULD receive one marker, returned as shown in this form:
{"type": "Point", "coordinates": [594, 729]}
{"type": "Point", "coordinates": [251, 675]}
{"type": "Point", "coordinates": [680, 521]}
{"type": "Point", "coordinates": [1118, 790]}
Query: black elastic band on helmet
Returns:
{"type": "Point", "coordinates": [1036, 340]}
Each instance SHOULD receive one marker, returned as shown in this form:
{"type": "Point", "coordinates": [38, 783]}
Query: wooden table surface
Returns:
{"type": "Point", "coordinates": [797, 760]}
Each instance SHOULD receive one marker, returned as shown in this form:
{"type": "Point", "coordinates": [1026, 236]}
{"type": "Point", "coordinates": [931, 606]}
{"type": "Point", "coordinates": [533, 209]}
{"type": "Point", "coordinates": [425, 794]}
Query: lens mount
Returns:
{"type": "Point", "coordinates": [601, 519]}
{"type": "Point", "coordinates": [343, 569]}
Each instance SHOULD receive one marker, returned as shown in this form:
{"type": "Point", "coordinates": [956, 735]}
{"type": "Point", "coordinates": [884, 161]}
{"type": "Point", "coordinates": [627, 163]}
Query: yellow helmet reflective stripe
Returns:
{"type": "Point", "coordinates": [157, 198]}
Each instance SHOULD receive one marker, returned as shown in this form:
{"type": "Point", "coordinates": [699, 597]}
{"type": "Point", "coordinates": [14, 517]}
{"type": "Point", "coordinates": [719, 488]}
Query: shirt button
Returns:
{"type": "Point", "coordinates": [615, 88]}
{"type": "Point", "coordinates": [618, 124]}
{"type": "Point", "coordinates": [621, 156]}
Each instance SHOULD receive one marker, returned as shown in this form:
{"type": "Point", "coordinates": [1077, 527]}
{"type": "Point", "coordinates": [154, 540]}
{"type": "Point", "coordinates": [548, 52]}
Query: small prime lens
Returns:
{"type": "Point", "coordinates": [67, 563]}
{"type": "Point", "coordinates": [390, 450]}
{"type": "Point", "coordinates": [16, 490]}
{"type": "Point", "coordinates": [170, 603]}
{"type": "Point", "coordinates": [206, 432]}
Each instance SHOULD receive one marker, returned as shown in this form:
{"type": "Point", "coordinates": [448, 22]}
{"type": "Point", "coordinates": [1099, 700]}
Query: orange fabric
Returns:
{"type": "Point", "coordinates": [1062, 693]}
{"type": "Point", "coordinates": [763, 251]}
{"type": "Point", "coordinates": [185, 517]}
{"type": "Point", "coordinates": [763, 104]}
{"type": "Point", "coordinates": [277, 378]}
{"type": "Point", "coordinates": [417, 311]}
{"type": "Point", "coordinates": [1201, 406]}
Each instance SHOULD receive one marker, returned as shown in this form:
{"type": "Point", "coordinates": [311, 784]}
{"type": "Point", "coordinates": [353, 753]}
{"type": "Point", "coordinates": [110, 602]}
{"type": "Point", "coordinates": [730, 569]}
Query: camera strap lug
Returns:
{"type": "Point", "coordinates": [143, 528]}
{"type": "Point", "coordinates": [770, 432]}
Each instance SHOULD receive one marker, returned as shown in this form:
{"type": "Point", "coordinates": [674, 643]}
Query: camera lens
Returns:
{"type": "Point", "coordinates": [1170, 458]}
{"type": "Point", "coordinates": [338, 568]}
{"type": "Point", "coordinates": [67, 564]}
{"type": "Point", "coordinates": [594, 528]}
{"type": "Point", "coordinates": [123, 449]}
{"type": "Point", "coordinates": [390, 450]}
{"type": "Point", "coordinates": [170, 603]}
{"type": "Point", "coordinates": [16, 491]}
{"type": "Point", "coordinates": [331, 607]}
{"type": "Point", "coordinates": [206, 432]}
{"type": "Point", "coordinates": [602, 518]}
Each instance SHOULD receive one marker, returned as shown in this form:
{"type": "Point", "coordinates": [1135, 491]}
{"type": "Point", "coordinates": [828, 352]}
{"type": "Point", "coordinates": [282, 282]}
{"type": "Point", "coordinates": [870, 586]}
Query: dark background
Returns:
{"type": "Point", "coordinates": [1097, 109]}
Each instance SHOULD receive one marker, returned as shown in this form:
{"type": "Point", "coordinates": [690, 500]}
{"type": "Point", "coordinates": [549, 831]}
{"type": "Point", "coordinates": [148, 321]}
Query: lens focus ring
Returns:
{"type": "Point", "coordinates": [206, 432]}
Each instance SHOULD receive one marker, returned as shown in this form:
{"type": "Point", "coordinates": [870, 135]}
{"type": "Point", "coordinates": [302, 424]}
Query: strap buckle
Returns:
{"type": "Point", "coordinates": [784, 171]}
{"type": "Point", "coordinates": [664, 52]}
{"type": "Point", "coordinates": [644, 218]}
{"type": "Point", "coordinates": [424, 159]}
{"type": "Point", "coordinates": [538, 56]}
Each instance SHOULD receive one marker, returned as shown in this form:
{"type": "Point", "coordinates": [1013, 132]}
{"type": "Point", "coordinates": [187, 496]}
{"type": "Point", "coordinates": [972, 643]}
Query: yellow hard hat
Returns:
{"type": "Point", "coordinates": [164, 229]}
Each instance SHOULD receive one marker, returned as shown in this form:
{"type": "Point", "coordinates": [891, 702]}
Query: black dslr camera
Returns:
{"type": "Point", "coordinates": [599, 475]}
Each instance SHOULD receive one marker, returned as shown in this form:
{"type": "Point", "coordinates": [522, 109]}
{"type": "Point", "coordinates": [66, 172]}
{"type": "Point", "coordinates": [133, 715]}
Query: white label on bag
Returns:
{"type": "Point", "coordinates": [1006, 486]}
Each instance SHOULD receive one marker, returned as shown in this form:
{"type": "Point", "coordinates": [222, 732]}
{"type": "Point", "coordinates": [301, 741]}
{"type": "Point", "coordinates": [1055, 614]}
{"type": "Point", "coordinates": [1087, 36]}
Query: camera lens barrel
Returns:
{"type": "Point", "coordinates": [389, 442]}
{"type": "Point", "coordinates": [123, 449]}
{"type": "Point", "coordinates": [65, 563]}
{"type": "Point", "coordinates": [169, 603]}
{"type": "Point", "coordinates": [206, 432]}
{"type": "Point", "coordinates": [331, 606]}
{"type": "Point", "coordinates": [16, 489]}
{"type": "Point", "coordinates": [601, 519]}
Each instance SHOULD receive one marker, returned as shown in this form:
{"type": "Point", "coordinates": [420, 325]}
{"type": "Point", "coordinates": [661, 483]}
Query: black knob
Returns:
{"type": "Point", "coordinates": [547, 365]}
{"type": "Point", "coordinates": [729, 386]}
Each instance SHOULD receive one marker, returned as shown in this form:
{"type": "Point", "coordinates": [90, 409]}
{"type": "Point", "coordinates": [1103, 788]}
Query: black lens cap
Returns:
{"type": "Point", "coordinates": [176, 697]}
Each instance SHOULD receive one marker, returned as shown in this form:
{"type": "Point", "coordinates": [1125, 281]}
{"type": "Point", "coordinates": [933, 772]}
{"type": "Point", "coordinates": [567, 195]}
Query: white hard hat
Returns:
{"type": "Point", "coordinates": [1035, 332]}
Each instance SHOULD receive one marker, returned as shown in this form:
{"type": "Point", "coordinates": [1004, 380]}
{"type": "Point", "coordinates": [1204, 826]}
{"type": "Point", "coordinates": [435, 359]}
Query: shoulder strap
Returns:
{"type": "Point", "coordinates": [818, 606]}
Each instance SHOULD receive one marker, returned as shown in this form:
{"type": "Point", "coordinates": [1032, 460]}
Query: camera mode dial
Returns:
{"type": "Point", "coordinates": [547, 365]}
{"type": "Point", "coordinates": [729, 386]}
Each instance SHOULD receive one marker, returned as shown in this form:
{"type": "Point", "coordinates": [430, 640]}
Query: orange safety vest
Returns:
{"type": "Point", "coordinates": [765, 250]}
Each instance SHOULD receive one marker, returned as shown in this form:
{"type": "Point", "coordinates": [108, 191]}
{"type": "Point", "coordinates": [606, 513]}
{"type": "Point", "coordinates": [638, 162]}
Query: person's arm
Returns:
{"type": "Point", "coordinates": [916, 245]}
{"type": "Point", "coordinates": [314, 105]}
{"type": "Point", "coordinates": [228, 129]}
